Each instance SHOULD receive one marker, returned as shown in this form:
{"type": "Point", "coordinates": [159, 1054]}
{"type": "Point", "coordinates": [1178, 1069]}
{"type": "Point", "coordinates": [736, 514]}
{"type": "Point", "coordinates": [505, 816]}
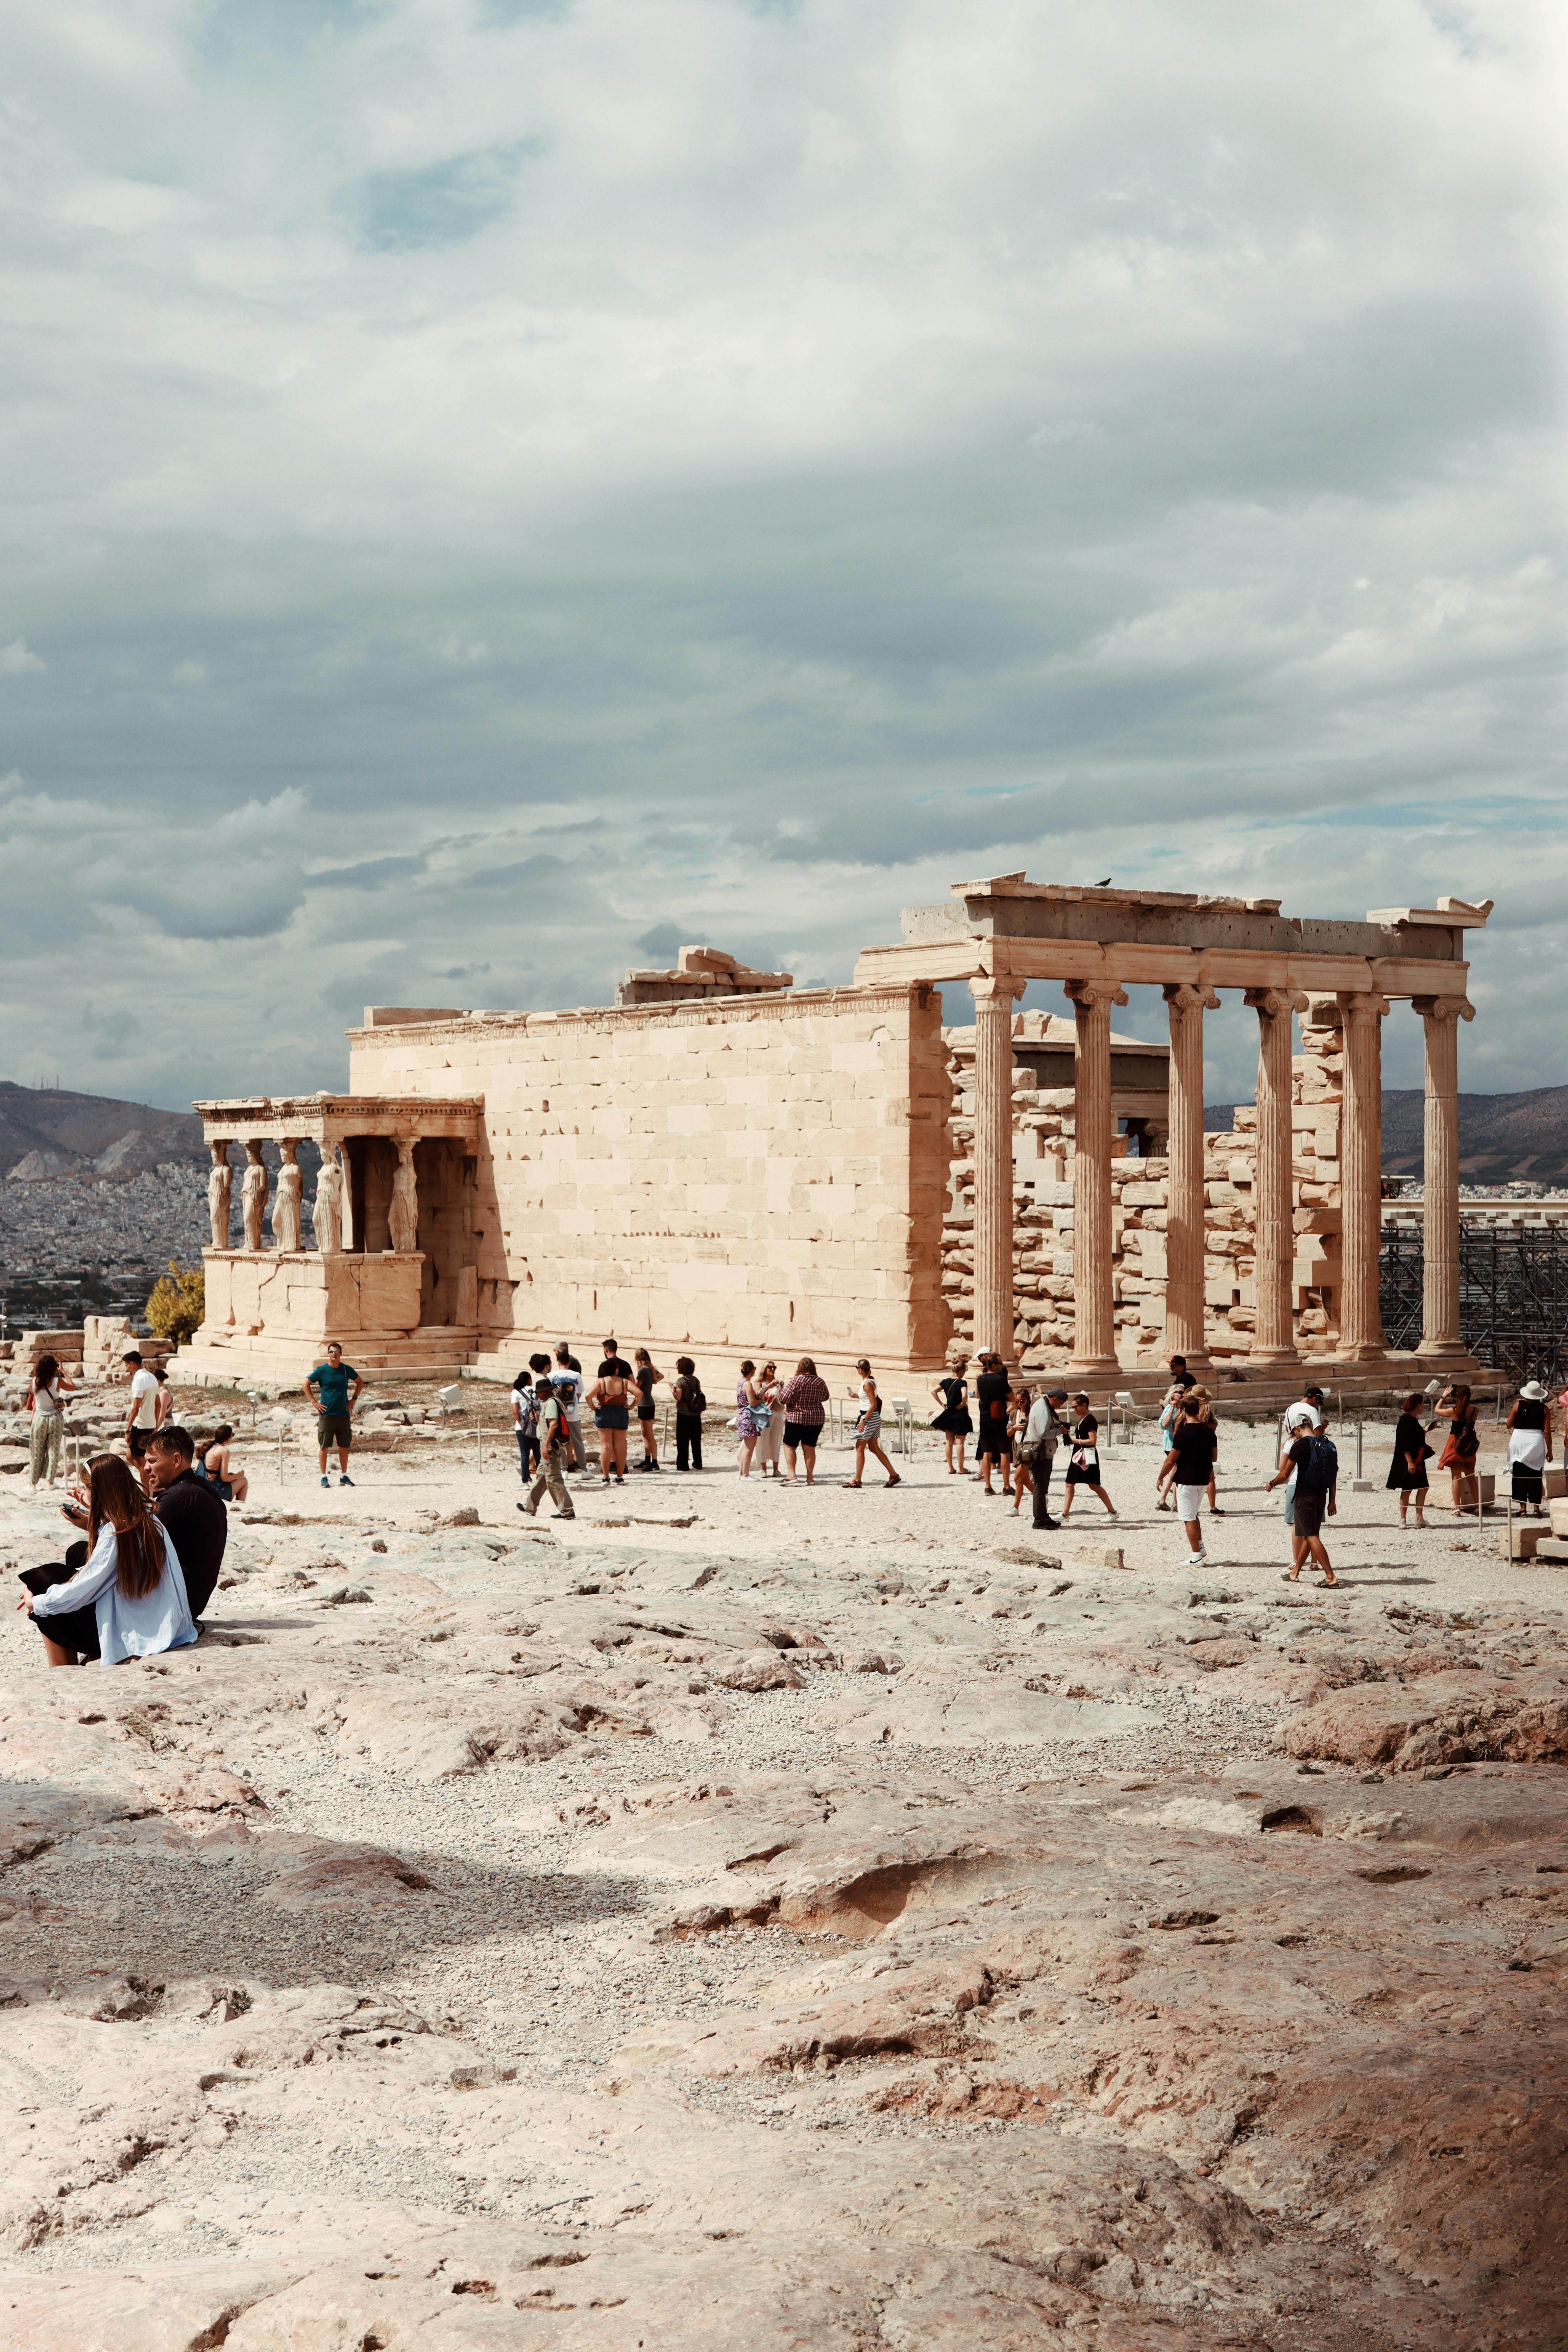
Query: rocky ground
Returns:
{"type": "Point", "coordinates": [753, 1917]}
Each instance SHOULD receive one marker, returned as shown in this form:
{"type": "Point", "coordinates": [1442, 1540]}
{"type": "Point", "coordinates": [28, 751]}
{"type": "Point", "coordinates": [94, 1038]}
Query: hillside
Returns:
{"type": "Point", "coordinates": [71, 1132]}
{"type": "Point", "coordinates": [1503, 1138]}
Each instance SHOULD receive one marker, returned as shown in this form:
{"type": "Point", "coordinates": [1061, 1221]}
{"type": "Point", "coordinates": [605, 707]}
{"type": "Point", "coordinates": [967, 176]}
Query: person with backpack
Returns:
{"type": "Point", "coordinates": [690, 1404]}
{"type": "Point", "coordinates": [553, 1444]}
{"type": "Point", "coordinates": [525, 1415]}
{"type": "Point", "coordinates": [1314, 1459]}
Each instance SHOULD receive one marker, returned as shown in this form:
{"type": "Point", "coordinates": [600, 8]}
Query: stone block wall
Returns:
{"type": "Point", "coordinates": [1043, 1220]}
{"type": "Point", "coordinates": [764, 1175]}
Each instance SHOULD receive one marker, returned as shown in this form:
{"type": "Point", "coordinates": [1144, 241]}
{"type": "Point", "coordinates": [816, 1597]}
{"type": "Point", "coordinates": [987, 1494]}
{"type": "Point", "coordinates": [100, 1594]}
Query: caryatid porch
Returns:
{"type": "Point", "coordinates": [998, 935]}
{"type": "Point", "coordinates": [393, 1273]}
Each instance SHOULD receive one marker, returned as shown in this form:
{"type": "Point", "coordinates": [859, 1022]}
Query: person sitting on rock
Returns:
{"type": "Point", "coordinates": [189, 1509]}
{"type": "Point", "coordinates": [127, 1600]}
{"type": "Point", "coordinates": [214, 1463]}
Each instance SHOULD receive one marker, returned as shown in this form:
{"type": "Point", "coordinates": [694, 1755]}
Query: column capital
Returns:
{"type": "Point", "coordinates": [1183, 997]}
{"type": "Point", "coordinates": [1364, 1006]}
{"type": "Point", "coordinates": [1091, 994]}
{"type": "Point", "coordinates": [1275, 1000]}
{"type": "Point", "coordinates": [1444, 1008]}
{"type": "Point", "coordinates": [989, 987]}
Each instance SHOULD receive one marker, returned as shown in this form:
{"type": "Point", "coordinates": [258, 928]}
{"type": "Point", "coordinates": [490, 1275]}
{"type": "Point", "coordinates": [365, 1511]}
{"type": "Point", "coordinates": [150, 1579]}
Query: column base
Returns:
{"type": "Point", "coordinates": [1095, 1367]}
{"type": "Point", "coordinates": [1364, 1351]}
{"type": "Point", "coordinates": [1289, 1358]}
{"type": "Point", "coordinates": [1444, 1350]}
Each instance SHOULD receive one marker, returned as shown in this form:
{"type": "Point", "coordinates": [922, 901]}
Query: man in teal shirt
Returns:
{"type": "Point", "coordinates": [328, 1389]}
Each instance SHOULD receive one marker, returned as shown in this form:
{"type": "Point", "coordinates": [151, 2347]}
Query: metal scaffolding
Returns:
{"type": "Point", "coordinates": [1513, 1296]}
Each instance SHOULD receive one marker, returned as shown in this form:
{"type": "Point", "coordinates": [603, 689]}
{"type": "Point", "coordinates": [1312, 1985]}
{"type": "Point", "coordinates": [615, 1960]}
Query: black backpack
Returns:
{"type": "Point", "coordinates": [1320, 1470]}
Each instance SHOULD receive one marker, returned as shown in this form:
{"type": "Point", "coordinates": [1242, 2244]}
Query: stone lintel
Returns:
{"type": "Point", "coordinates": [330, 1119]}
{"type": "Point", "coordinates": [1315, 967]}
{"type": "Point", "coordinates": [1123, 924]}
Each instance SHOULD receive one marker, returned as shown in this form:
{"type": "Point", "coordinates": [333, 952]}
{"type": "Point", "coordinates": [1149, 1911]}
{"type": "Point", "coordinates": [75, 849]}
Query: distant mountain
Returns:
{"type": "Point", "coordinates": [44, 1130]}
{"type": "Point", "coordinates": [1503, 1138]}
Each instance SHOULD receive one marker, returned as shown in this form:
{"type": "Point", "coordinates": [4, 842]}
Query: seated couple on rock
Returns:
{"type": "Point", "coordinates": [149, 1565]}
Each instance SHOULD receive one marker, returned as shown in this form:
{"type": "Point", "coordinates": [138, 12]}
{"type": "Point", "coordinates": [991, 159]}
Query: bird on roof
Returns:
{"type": "Point", "coordinates": [1101, 886]}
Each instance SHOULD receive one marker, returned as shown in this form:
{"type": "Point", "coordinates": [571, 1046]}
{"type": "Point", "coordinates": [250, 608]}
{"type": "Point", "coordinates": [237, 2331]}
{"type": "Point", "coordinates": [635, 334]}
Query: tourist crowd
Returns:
{"type": "Point", "coordinates": [152, 1521]}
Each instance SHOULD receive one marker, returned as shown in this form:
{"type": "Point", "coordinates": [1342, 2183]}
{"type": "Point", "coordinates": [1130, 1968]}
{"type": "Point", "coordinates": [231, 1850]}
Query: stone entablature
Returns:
{"type": "Point", "coordinates": [332, 1120]}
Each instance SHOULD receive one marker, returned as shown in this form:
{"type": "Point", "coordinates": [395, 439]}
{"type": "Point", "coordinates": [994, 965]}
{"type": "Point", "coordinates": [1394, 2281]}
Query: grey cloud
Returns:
{"type": "Point", "coordinates": [371, 874]}
{"type": "Point", "coordinates": [722, 533]}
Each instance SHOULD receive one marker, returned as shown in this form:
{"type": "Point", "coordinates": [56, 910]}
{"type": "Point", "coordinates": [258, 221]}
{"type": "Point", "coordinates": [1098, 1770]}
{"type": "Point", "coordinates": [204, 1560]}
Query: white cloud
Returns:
{"type": "Point", "coordinates": [767, 462]}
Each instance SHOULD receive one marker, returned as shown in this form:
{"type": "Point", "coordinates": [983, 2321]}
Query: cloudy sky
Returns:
{"type": "Point", "coordinates": [493, 488]}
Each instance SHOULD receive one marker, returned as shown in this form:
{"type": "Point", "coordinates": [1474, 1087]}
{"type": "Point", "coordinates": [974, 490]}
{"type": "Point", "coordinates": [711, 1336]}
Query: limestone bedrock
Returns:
{"type": "Point", "coordinates": [753, 1917]}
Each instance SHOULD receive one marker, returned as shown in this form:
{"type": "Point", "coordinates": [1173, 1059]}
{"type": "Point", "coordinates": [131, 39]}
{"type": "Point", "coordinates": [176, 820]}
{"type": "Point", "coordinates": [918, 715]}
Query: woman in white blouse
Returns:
{"type": "Point", "coordinates": [127, 1600]}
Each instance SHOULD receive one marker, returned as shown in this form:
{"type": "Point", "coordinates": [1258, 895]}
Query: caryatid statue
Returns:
{"type": "Point", "coordinates": [220, 1188]}
{"type": "Point", "coordinates": [326, 1209]}
{"type": "Point", "coordinates": [403, 1209]}
{"type": "Point", "coordinates": [253, 1196]}
{"type": "Point", "coordinates": [286, 1199]}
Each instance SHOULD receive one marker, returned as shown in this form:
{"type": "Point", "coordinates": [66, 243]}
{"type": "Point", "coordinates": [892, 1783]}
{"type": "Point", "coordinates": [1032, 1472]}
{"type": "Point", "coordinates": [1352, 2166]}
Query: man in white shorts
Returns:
{"type": "Point", "coordinates": [1193, 1445]}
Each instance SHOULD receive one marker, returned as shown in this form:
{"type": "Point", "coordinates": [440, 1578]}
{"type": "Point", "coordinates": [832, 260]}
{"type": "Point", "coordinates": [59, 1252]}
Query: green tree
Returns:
{"type": "Point", "coordinates": [178, 1303]}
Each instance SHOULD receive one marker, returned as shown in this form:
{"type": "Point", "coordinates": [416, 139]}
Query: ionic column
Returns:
{"type": "Point", "coordinates": [1440, 1175]}
{"type": "Point", "coordinates": [1184, 1218]}
{"type": "Point", "coordinates": [1274, 1234]}
{"type": "Point", "coordinates": [1094, 1307]}
{"type": "Point", "coordinates": [993, 1305]}
{"type": "Point", "coordinates": [1360, 1179]}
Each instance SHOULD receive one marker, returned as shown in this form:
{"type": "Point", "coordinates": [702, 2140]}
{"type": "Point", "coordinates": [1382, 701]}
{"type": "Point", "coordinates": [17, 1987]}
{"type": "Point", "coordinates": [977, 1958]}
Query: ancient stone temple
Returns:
{"type": "Point", "coordinates": [723, 1162]}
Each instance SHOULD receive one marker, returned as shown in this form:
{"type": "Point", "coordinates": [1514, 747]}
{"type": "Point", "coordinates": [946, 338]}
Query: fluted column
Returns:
{"type": "Point", "coordinates": [1440, 1175]}
{"type": "Point", "coordinates": [1273, 1233]}
{"type": "Point", "coordinates": [1184, 1219]}
{"type": "Point", "coordinates": [1360, 1179]}
{"type": "Point", "coordinates": [993, 1304]}
{"type": "Point", "coordinates": [1094, 1309]}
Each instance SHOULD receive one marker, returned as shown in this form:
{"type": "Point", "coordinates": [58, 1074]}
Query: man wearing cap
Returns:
{"type": "Point", "coordinates": [1042, 1433]}
{"type": "Point", "coordinates": [1304, 1416]}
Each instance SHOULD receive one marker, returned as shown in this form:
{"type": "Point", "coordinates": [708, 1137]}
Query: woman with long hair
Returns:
{"type": "Point", "coordinates": [46, 1390]}
{"type": "Point", "coordinates": [767, 1413]}
{"type": "Point", "coordinates": [1462, 1448]}
{"type": "Point", "coordinates": [649, 1377]}
{"type": "Point", "coordinates": [128, 1601]}
{"type": "Point", "coordinates": [217, 1466]}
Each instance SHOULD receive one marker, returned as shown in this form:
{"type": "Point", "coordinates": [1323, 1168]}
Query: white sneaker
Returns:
{"type": "Point", "coordinates": [1199, 1560]}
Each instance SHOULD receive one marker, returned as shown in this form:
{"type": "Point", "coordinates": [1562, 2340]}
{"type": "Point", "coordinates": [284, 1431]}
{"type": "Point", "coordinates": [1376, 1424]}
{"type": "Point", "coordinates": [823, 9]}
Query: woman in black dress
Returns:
{"type": "Point", "coordinates": [951, 1393]}
{"type": "Point", "coordinates": [1407, 1471]}
{"type": "Point", "coordinates": [1083, 1462]}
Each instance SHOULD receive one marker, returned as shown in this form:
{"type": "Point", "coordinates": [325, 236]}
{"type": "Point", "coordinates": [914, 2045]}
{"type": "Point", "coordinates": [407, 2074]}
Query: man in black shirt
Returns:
{"type": "Point", "coordinates": [612, 1415]}
{"type": "Point", "coordinates": [1195, 1443]}
{"type": "Point", "coordinates": [194, 1516]}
